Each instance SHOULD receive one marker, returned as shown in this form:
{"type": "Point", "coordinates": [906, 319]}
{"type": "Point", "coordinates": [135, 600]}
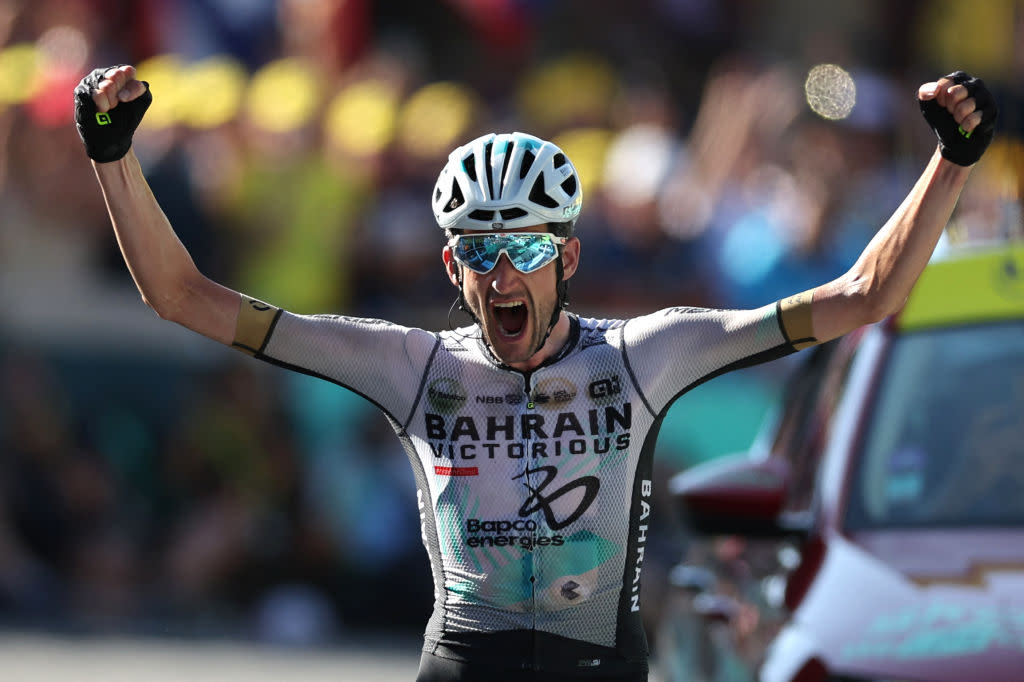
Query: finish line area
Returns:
{"type": "Point", "coordinates": [46, 658]}
{"type": "Point", "coordinates": [32, 657]}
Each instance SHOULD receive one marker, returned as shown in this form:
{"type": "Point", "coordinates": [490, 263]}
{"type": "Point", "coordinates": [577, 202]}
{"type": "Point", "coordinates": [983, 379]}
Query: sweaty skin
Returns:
{"type": "Point", "coordinates": [503, 285]}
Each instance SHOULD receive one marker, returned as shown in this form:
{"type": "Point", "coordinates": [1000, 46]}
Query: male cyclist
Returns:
{"type": "Point", "coordinates": [530, 432]}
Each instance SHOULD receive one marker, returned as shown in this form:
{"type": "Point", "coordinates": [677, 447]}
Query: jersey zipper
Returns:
{"type": "Point", "coordinates": [527, 490]}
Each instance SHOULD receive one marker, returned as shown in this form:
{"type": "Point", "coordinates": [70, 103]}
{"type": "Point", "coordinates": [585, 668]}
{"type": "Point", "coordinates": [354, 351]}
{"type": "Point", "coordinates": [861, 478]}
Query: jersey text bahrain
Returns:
{"type": "Point", "coordinates": [532, 435]}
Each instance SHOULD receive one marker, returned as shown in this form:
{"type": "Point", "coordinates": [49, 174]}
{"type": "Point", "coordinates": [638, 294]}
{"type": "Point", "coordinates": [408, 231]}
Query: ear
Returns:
{"type": "Point", "coordinates": [450, 266]}
{"type": "Point", "coordinates": [570, 257]}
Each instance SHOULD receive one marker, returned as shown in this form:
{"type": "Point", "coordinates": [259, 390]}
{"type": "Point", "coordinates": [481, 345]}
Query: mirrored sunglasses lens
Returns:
{"type": "Point", "coordinates": [529, 253]}
{"type": "Point", "coordinates": [477, 253]}
{"type": "Point", "coordinates": [480, 253]}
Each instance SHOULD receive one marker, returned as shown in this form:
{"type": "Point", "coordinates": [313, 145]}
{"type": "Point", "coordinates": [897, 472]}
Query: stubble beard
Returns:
{"type": "Point", "coordinates": [538, 321]}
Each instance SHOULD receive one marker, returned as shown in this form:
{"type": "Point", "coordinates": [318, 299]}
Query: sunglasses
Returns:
{"type": "Point", "coordinates": [528, 251]}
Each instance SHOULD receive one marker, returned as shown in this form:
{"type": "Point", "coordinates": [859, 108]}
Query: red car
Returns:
{"type": "Point", "coordinates": [879, 534]}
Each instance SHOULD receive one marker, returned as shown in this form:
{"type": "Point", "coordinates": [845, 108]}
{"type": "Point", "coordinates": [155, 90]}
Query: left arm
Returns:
{"type": "Point", "coordinates": [881, 279]}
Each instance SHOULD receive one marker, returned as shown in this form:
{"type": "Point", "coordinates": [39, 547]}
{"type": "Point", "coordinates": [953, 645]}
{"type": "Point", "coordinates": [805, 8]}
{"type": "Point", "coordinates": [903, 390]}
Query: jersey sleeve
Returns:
{"type": "Point", "coordinates": [382, 361]}
{"type": "Point", "coordinates": [676, 349]}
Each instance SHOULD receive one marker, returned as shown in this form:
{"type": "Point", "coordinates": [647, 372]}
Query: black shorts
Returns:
{"type": "Point", "coordinates": [437, 669]}
{"type": "Point", "coordinates": [525, 655]}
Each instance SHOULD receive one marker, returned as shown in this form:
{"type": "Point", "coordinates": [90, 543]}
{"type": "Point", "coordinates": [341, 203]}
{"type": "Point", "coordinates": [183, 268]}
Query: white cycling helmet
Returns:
{"type": "Point", "coordinates": [501, 182]}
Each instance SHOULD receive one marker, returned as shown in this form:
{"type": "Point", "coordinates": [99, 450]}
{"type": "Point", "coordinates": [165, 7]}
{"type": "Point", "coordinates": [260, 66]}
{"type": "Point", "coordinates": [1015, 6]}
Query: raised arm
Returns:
{"type": "Point", "coordinates": [109, 105]}
{"type": "Point", "coordinates": [962, 113]}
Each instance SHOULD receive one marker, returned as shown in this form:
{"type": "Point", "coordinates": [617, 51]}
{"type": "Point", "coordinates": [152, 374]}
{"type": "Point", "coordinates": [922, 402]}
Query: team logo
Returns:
{"type": "Point", "coordinates": [540, 500]}
{"type": "Point", "coordinates": [500, 393]}
{"type": "Point", "coordinates": [456, 471]}
{"type": "Point", "coordinates": [569, 588]}
{"type": "Point", "coordinates": [682, 310]}
{"type": "Point", "coordinates": [367, 321]}
{"type": "Point", "coordinates": [598, 335]}
{"type": "Point", "coordinates": [603, 391]}
{"type": "Point", "coordinates": [573, 209]}
{"type": "Point", "coordinates": [507, 399]}
{"type": "Point", "coordinates": [446, 395]}
{"type": "Point", "coordinates": [554, 391]}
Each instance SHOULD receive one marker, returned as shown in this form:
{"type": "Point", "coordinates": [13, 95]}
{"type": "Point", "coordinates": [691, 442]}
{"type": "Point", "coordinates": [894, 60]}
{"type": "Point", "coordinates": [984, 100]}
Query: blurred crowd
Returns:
{"type": "Point", "coordinates": [151, 480]}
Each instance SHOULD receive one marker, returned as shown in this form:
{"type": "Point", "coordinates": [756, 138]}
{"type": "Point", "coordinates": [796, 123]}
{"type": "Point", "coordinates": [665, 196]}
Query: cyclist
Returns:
{"type": "Point", "coordinates": [531, 431]}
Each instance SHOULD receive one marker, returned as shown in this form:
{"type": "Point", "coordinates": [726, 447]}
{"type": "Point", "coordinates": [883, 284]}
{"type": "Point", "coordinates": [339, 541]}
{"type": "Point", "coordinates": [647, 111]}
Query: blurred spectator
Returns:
{"type": "Point", "coordinates": [232, 490]}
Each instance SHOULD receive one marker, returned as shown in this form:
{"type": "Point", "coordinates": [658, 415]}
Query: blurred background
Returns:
{"type": "Point", "coordinates": [154, 483]}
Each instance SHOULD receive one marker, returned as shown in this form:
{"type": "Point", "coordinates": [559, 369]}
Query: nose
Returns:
{"type": "Point", "coordinates": [504, 275]}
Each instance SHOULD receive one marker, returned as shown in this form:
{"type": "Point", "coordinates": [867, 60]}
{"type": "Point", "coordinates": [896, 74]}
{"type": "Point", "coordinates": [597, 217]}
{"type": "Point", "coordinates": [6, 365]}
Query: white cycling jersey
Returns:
{"type": "Point", "coordinates": [534, 488]}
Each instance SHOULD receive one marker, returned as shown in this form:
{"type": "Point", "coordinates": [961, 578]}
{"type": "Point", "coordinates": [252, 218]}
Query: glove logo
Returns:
{"type": "Point", "coordinates": [103, 119]}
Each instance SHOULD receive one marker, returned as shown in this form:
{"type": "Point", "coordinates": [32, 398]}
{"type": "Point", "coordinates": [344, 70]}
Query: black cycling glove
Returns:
{"type": "Point", "coordinates": [107, 136]}
{"type": "Point", "coordinates": [954, 144]}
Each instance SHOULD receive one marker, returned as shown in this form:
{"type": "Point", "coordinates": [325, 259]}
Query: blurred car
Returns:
{"type": "Point", "coordinates": [876, 530]}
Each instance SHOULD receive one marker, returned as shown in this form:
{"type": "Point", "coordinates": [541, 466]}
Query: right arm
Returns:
{"type": "Point", "coordinates": [162, 268]}
{"type": "Point", "coordinates": [348, 351]}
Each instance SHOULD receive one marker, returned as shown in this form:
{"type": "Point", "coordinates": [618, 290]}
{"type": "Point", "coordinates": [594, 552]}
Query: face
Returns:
{"type": "Point", "coordinates": [514, 308]}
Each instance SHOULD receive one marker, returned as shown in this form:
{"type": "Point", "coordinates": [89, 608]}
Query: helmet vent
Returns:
{"type": "Point", "coordinates": [481, 215]}
{"type": "Point", "coordinates": [528, 159]}
{"type": "Point", "coordinates": [487, 166]}
{"type": "Point", "coordinates": [538, 196]}
{"type": "Point", "coordinates": [504, 169]}
{"type": "Point", "coordinates": [469, 165]}
{"type": "Point", "coordinates": [511, 213]}
{"type": "Point", "coordinates": [457, 198]}
{"type": "Point", "coordinates": [569, 185]}
{"type": "Point", "coordinates": [558, 160]}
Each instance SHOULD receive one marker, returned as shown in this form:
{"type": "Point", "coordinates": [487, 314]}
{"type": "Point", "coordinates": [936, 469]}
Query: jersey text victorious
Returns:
{"type": "Point", "coordinates": [527, 436]}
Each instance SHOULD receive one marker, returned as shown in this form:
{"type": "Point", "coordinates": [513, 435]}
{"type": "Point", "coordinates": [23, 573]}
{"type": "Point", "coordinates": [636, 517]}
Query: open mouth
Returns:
{"type": "Point", "coordinates": [511, 317]}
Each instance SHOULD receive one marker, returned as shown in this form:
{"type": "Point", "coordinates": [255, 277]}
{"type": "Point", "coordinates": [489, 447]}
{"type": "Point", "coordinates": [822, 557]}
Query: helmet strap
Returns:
{"type": "Point", "coordinates": [461, 301]}
{"type": "Point", "coordinates": [562, 292]}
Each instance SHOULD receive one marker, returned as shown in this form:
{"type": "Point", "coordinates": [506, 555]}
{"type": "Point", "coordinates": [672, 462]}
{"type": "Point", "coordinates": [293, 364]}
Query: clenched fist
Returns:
{"type": "Point", "coordinates": [109, 105]}
{"type": "Point", "coordinates": [963, 113]}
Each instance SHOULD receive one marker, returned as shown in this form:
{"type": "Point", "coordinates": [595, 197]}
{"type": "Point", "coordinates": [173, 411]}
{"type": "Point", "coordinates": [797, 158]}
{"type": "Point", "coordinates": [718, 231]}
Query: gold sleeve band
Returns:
{"type": "Point", "coordinates": [795, 317]}
{"type": "Point", "coordinates": [256, 320]}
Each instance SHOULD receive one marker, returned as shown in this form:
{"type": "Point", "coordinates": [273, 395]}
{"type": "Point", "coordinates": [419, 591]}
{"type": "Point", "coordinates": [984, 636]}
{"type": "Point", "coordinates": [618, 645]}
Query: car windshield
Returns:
{"type": "Point", "coordinates": [944, 443]}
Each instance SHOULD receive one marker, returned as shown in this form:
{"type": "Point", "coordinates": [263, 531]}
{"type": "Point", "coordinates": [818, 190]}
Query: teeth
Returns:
{"type": "Point", "coordinates": [507, 305]}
